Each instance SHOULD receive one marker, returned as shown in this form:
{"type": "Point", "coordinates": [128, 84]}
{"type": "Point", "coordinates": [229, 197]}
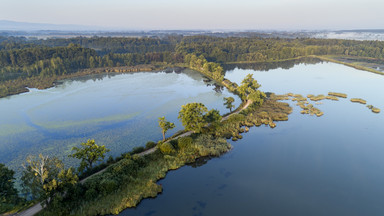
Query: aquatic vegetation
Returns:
{"type": "Point", "coordinates": [272, 124]}
{"type": "Point", "coordinates": [358, 100]}
{"type": "Point", "coordinates": [316, 98]}
{"type": "Point", "coordinates": [331, 98]}
{"type": "Point", "coordinates": [83, 123]}
{"type": "Point", "coordinates": [342, 95]}
{"type": "Point", "coordinates": [373, 109]}
{"type": "Point", "coordinates": [301, 104]}
{"type": "Point", "coordinates": [311, 110]}
{"type": "Point", "coordinates": [269, 112]}
{"type": "Point", "coordinates": [298, 97]}
{"type": "Point", "coordinates": [321, 97]}
{"type": "Point", "coordinates": [280, 97]}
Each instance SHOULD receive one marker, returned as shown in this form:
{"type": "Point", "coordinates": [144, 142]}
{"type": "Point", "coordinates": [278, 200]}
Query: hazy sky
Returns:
{"type": "Point", "coordinates": [200, 14]}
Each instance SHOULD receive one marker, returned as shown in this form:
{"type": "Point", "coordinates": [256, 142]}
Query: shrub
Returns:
{"type": "Point", "coordinates": [236, 118]}
{"type": "Point", "coordinates": [138, 149]}
{"type": "Point", "coordinates": [184, 142]}
{"type": "Point", "coordinates": [150, 145]}
{"type": "Point", "coordinates": [91, 194]}
{"type": "Point", "coordinates": [110, 160]}
{"type": "Point", "coordinates": [107, 186]}
{"type": "Point", "coordinates": [167, 148]}
{"type": "Point", "coordinates": [174, 143]}
{"type": "Point", "coordinates": [209, 146]}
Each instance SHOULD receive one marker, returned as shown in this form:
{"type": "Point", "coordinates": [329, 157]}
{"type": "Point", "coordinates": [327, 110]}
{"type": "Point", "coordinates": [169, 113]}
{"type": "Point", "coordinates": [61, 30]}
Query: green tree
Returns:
{"type": "Point", "coordinates": [38, 172]}
{"type": "Point", "coordinates": [192, 116]}
{"type": "Point", "coordinates": [89, 153]}
{"type": "Point", "coordinates": [257, 97]}
{"type": "Point", "coordinates": [213, 117]}
{"type": "Point", "coordinates": [165, 126]}
{"type": "Point", "coordinates": [47, 179]}
{"type": "Point", "coordinates": [229, 103]}
{"type": "Point", "coordinates": [248, 86]}
{"type": "Point", "coordinates": [59, 186]}
{"type": "Point", "coordinates": [8, 193]}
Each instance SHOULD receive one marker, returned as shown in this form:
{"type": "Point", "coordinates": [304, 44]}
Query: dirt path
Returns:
{"type": "Point", "coordinates": [249, 102]}
{"type": "Point", "coordinates": [31, 211]}
{"type": "Point", "coordinates": [36, 208]}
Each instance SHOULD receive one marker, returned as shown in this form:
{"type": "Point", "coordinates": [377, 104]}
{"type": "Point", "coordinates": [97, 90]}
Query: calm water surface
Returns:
{"type": "Point", "coordinates": [119, 111]}
{"type": "Point", "coordinates": [331, 165]}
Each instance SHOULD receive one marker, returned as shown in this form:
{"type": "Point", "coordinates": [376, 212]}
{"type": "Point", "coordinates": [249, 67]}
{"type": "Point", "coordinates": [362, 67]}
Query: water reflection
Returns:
{"type": "Point", "coordinates": [266, 66]}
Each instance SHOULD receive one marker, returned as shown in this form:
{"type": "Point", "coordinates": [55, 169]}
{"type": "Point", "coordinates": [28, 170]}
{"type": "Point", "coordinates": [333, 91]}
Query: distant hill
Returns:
{"type": "Point", "coordinates": [6, 25]}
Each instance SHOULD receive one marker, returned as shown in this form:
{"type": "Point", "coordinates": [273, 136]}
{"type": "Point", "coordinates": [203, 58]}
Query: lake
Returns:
{"type": "Point", "coordinates": [329, 165]}
{"type": "Point", "coordinates": [119, 111]}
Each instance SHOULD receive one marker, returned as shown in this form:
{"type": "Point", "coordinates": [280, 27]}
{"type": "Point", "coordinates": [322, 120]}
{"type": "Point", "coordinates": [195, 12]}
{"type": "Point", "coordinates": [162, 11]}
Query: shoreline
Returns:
{"type": "Point", "coordinates": [21, 85]}
{"type": "Point", "coordinates": [358, 67]}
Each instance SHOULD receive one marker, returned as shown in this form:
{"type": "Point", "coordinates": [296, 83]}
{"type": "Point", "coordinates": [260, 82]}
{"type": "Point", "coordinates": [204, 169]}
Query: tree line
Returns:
{"type": "Point", "coordinates": [23, 58]}
{"type": "Point", "coordinates": [225, 50]}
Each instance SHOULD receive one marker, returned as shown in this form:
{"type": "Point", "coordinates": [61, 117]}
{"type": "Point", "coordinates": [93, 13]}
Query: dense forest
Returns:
{"type": "Point", "coordinates": [31, 62]}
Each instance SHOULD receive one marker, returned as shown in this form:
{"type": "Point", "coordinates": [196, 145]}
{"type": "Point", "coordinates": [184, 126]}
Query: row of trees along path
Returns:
{"type": "Point", "coordinates": [247, 93]}
{"type": "Point", "coordinates": [38, 207]}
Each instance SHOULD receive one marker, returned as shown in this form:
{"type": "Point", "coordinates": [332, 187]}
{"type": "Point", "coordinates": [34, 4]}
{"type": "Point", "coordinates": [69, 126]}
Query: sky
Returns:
{"type": "Point", "coordinates": [201, 14]}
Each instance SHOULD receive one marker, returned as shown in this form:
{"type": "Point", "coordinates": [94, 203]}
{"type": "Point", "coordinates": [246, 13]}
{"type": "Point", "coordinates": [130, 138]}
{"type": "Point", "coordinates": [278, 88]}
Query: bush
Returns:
{"type": "Point", "coordinates": [110, 160]}
{"type": "Point", "coordinates": [174, 143]}
{"type": "Point", "coordinates": [138, 149]}
{"type": "Point", "coordinates": [184, 142]}
{"type": "Point", "coordinates": [91, 194]}
{"type": "Point", "coordinates": [107, 186]}
{"type": "Point", "coordinates": [209, 146]}
{"type": "Point", "coordinates": [167, 148]}
{"type": "Point", "coordinates": [150, 145]}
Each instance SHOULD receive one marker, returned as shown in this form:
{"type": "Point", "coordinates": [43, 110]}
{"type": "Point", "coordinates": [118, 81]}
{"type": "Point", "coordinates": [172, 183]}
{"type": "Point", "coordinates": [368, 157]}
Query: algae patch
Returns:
{"type": "Point", "coordinates": [69, 124]}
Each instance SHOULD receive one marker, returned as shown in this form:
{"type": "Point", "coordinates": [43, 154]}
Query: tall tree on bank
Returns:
{"type": "Point", "coordinates": [46, 179]}
{"type": "Point", "coordinates": [213, 117]}
{"type": "Point", "coordinates": [8, 193]}
{"type": "Point", "coordinates": [192, 116]}
{"type": "Point", "coordinates": [228, 102]}
{"type": "Point", "coordinates": [89, 153]}
{"type": "Point", "coordinates": [248, 90]}
{"type": "Point", "coordinates": [165, 126]}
